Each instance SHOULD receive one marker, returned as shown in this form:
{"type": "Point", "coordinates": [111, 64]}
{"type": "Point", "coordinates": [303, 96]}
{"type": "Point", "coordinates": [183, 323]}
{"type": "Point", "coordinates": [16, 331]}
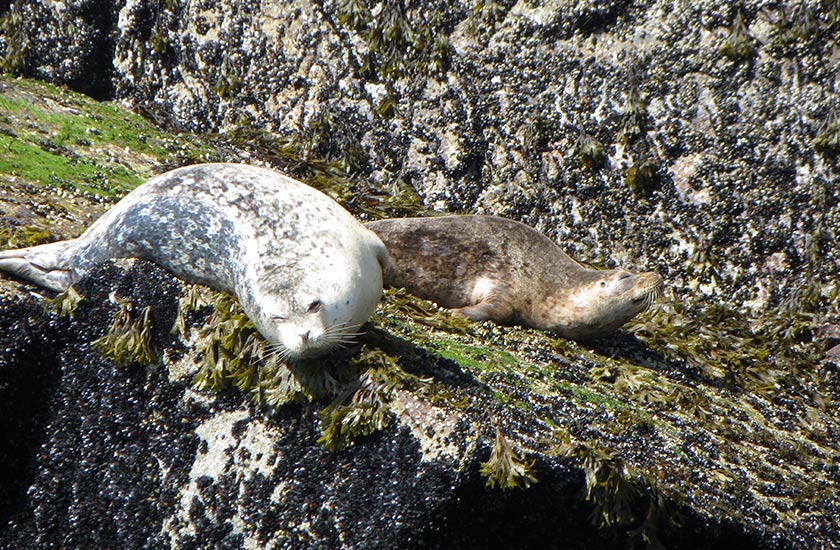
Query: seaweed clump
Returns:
{"type": "Point", "coordinates": [403, 37]}
{"type": "Point", "coordinates": [620, 496]}
{"type": "Point", "coordinates": [65, 303]}
{"type": "Point", "coordinates": [728, 347]}
{"type": "Point", "coordinates": [129, 338]}
{"type": "Point", "coordinates": [21, 237]}
{"type": "Point", "coordinates": [233, 354]}
{"type": "Point", "coordinates": [505, 468]}
{"type": "Point", "coordinates": [15, 39]}
{"type": "Point", "coordinates": [827, 140]}
{"type": "Point", "coordinates": [401, 302]}
{"type": "Point", "coordinates": [641, 176]}
{"type": "Point", "coordinates": [738, 44]}
{"type": "Point", "coordinates": [363, 406]}
{"type": "Point", "coordinates": [590, 152]}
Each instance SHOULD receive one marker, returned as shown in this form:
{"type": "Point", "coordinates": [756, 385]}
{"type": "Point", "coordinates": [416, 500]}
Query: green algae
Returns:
{"type": "Point", "coordinates": [55, 137]}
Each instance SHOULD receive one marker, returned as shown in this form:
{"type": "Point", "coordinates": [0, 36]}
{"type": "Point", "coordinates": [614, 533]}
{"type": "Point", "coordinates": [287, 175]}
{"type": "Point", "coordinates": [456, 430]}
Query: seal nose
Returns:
{"type": "Point", "coordinates": [305, 337]}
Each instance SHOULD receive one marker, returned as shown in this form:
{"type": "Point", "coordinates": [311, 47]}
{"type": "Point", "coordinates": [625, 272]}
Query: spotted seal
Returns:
{"type": "Point", "coordinates": [304, 270]}
{"type": "Point", "coordinates": [486, 267]}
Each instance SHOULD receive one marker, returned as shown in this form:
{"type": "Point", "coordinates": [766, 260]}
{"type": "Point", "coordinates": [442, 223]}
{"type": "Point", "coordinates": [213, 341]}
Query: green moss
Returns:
{"type": "Point", "coordinates": [504, 468]}
{"type": "Point", "coordinates": [129, 337]}
{"type": "Point", "coordinates": [585, 395]}
{"type": "Point", "coordinates": [481, 359]}
{"type": "Point", "coordinates": [81, 144]}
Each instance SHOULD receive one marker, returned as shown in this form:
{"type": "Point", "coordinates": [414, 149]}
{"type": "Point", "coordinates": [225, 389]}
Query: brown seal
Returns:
{"type": "Point", "coordinates": [486, 267]}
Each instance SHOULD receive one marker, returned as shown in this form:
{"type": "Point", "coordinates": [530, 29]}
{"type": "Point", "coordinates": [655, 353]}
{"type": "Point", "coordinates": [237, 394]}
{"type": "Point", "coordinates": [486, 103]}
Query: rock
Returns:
{"type": "Point", "coordinates": [125, 456]}
{"type": "Point", "coordinates": [711, 156]}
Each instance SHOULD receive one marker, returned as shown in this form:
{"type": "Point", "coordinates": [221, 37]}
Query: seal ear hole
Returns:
{"type": "Point", "coordinates": [314, 307]}
{"type": "Point", "coordinates": [603, 284]}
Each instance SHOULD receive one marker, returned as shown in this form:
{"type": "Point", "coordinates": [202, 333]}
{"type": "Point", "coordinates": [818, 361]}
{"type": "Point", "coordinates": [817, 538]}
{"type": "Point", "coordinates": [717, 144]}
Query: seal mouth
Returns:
{"type": "Point", "coordinates": [648, 295]}
{"type": "Point", "coordinates": [334, 337]}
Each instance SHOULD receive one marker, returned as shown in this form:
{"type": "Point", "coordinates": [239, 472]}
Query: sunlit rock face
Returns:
{"type": "Point", "coordinates": [653, 135]}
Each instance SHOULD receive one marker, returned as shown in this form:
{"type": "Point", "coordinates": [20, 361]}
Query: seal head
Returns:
{"type": "Point", "coordinates": [597, 307]}
{"type": "Point", "coordinates": [305, 316]}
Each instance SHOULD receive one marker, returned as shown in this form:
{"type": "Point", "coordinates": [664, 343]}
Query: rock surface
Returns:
{"type": "Point", "coordinates": [110, 456]}
{"type": "Point", "coordinates": [695, 138]}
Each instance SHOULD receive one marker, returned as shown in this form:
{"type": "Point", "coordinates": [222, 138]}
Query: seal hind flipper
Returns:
{"type": "Point", "coordinates": [40, 265]}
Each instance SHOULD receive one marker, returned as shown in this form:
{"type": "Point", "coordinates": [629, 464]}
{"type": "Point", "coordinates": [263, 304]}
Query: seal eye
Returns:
{"type": "Point", "coordinates": [314, 307]}
{"type": "Point", "coordinates": [603, 284]}
{"type": "Point", "coordinates": [278, 317]}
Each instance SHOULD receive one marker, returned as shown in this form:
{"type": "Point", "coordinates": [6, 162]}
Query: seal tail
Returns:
{"type": "Point", "coordinates": [42, 265]}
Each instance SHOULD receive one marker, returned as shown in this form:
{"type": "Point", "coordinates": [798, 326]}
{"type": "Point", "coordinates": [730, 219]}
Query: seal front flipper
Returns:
{"type": "Point", "coordinates": [40, 265]}
{"type": "Point", "coordinates": [497, 312]}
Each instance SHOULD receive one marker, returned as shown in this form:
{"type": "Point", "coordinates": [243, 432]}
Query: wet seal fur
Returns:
{"type": "Point", "coordinates": [306, 273]}
{"type": "Point", "coordinates": [486, 267]}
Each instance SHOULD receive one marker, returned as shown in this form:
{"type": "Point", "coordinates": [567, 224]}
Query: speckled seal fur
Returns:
{"type": "Point", "coordinates": [486, 267]}
{"type": "Point", "coordinates": [304, 270]}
